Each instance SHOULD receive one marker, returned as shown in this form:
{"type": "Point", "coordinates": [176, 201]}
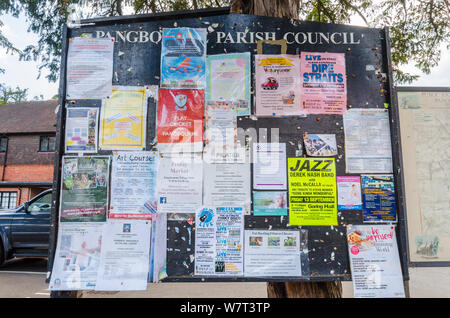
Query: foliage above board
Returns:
{"type": "Point", "coordinates": [418, 28]}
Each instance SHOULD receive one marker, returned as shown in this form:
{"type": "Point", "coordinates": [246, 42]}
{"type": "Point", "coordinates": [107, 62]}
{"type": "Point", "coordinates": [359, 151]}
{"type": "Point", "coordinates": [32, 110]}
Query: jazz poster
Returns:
{"type": "Point", "coordinates": [89, 68]}
{"type": "Point", "coordinates": [323, 83]}
{"type": "Point", "coordinates": [133, 185]}
{"type": "Point", "coordinates": [219, 240]}
{"type": "Point", "coordinates": [123, 119]}
{"type": "Point", "coordinates": [180, 120]}
{"type": "Point", "coordinates": [228, 78]}
{"type": "Point", "coordinates": [312, 191]}
{"type": "Point", "coordinates": [277, 85]}
{"type": "Point", "coordinates": [183, 57]}
{"type": "Point", "coordinates": [84, 189]}
{"type": "Point", "coordinates": [378, 195]}
{"type": "Point", "coordinates": [375, 261]}
{"type": "Point", "coordinates": [81, 130]}
{"type": "Point", "coordinates": [77, 256]}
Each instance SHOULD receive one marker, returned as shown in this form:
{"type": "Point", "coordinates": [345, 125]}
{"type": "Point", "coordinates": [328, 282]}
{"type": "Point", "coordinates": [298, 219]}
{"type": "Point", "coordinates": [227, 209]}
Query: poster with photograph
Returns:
{"type": "Point", "coordinates": [123, 119]}
{"type": "Point", "coordinates": [124, 261]}
{"type": "Point", "coordinates": [84, 189]}
{"type": "Point", "coordinates": [277, 85]}
{"type": "Point", "coordinates": [180, 183]}
{"type": "Point", "coordinates": [219, 235]}
{"type": "Point", "coordinates": [269, 203]}
{"type": "Point", "coordinates": [378, 195]}
{"type": "Point", "coordinates": [81, 130]}
{"type": "Point", "coordinates": [272, 253]}
{"type": "Point", "coordinates": [312, 191]}
{"type": "Point", "coordinates": [320, 145]}
{"type": "Point", "coordinates": [349, 193]}
{"type": "Point", "coordinates": [89, 68]}
{"type": "Point", "coordinates": [367, 141]}
{"type": "Point", "coordinates": [133, 185]}
{"type": "Point", "coordinates": [228, 78]}
{"type": "Point", "coordinates": [269, 166]}
{"type": "Point", "coordinates": [375, 261]}
{"type": "Point", "coordinates": [227, 185]}
{"type": "Point", "coordinates": [183, 58]}
{"type": "Point", "coordinates": [324, 83]}
{"type": "Point", "coordinates": [180, 120]}
{"type": "Point", "coordinates": [77, 256]}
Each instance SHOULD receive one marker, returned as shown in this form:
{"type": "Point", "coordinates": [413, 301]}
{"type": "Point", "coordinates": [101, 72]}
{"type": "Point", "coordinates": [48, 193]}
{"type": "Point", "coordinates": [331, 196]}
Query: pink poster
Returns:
{"type": "Point", "coordinates": [277, 85]}
{"type": "Point", "coordinates": [324, 87]}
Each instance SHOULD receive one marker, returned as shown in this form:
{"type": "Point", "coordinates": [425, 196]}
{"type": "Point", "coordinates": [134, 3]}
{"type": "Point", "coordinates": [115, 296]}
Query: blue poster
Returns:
{"type": "Point", "coordinates": [269, 203]}
{"type": "Point", "coordinates": [378, 198]}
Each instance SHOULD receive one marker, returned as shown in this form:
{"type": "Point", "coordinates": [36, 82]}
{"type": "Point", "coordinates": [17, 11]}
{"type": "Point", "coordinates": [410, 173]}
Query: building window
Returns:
{"type": "Point", "coordinates": [3, 144]}
{"type": "Point", "coordinates": [47, 144]}
{"type": "Point", "coordinates": [8, 200]}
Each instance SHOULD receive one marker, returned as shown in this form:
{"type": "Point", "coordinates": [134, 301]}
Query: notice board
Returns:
{"type": "Point", "coordinates": [136, 62]}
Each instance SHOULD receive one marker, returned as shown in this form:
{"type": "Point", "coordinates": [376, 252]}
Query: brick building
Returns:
{"type": "Point", "coordinates": [27, 150]}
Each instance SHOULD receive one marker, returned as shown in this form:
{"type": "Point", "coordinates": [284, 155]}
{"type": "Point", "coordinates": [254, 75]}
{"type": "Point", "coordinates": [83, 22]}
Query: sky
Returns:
{"type": "Point", "coordinates": [24, 73]}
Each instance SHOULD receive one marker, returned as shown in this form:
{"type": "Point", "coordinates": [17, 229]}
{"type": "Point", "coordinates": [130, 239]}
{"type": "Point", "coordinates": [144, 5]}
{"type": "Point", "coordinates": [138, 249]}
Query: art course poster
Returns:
{"type": "Point", "coordinates": [324, 84]}
{"type": "Point", "coordinates": [277, 85]}
{"type": "Point", "coordinates": [180, 120]}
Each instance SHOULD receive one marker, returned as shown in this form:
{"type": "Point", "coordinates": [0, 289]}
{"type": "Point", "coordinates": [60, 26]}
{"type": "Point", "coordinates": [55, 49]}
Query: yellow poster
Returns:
{"type": "Point", "coordinates": [123, 118]}
{"type": "Point", "coordinates": [312, 191]}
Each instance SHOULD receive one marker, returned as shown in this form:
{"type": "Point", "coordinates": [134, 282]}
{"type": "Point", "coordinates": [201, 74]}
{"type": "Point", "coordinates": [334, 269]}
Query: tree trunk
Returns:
{"type": "Point", "coordinates": [287, 9]}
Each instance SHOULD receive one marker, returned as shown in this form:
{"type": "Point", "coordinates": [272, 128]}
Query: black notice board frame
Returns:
{"type": "Point", "coordinates": [379, 92]}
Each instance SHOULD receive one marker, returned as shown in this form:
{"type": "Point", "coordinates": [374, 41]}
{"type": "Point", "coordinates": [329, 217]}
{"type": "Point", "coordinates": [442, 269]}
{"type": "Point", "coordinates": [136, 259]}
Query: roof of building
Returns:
{"type": "Point", "coordinates": [28, 117]}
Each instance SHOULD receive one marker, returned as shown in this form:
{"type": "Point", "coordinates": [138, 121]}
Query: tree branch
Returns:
{"type": "Point", "coordinates": [349, 5]}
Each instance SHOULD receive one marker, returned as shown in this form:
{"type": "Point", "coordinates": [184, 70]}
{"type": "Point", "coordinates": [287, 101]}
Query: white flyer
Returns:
{"type": "Point", "coordinates": [374, 261]}
{"type": "Point", "coordinates": [77, 256]}
{"type": "Point", "coordinates": [367, 141]}
{"type": "Point", "coordinates": [227, 185]}
{"type": "Point", "coordinates": [180, 183]}
{"type": "Point", "coordinates": [269, 166]}
{"type": "Point", "coordinates": [81, 130]}
{"type": "Point", "coordinates": [124, 262]}
{"type": "Point", "coordinates": [272, 253]}
{"type": "Point", "coordinates": [89, 68]}
{"type": "Point", "coordinates": [219, 234]}
{"type": "Point", "coordinates": [133, 185]}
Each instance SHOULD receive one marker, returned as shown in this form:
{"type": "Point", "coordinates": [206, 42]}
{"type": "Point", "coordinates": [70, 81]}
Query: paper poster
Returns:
{"type": "Point", "coordinates": [272, 253]}
{"type": "Point", "coordinates": [84, 189]}
{"type": "Point", "coordinates": [89, 68]}
{"type": "Point", "coordinates": [219, 235]}
{"type": "Point", "coordinates": [81, 130]}
{"type": "Point", "coordinates": [228, 78]}
{"type": "Point", "coordinates": [133, 185]}
{"type": "Point", "coordinates": [124, 262]}
{"type": "Point", "coordinates": [378, 195]}
{"type": "Point", "coordinates": [183, 57]}
{"type": "Point", "coordinates": [277, 85]}
{"type": "Point", "coordinates": [312, 191]}
{"type": "Point", "coordinates": [269, 166]}
{"type": "Point", "coordinates": [227, 185]}
{"type": "Point", "coordinates": [180, 120]}
{"type": "Point", "coordinates": [77, 256]}
{"type": "Point", "coordinates": [349, 193]}
{"type": "Point", "coordinates": [269, 203]}
{"type": "Point", "coordinates": [374, 261]}
{"type": "Point", "coordinates": [367, 141]}
{"type": "Point", "coordinates": [159, 248]}
{"type": "Point", "coordinates": [180, 184]}
{"type": "Point", "coordinates": [320, 145]}
{"type": "Point", "coordinates": [324, 83]}
{"type": "Point", "coordinates": [123, 119]}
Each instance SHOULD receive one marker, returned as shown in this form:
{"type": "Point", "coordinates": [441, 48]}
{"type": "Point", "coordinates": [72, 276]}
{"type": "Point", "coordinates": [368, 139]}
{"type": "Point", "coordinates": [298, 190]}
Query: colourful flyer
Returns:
{"type": "Point", "coordinates": [228, 78]}
{"type": "Point", "coordinates": [271, 203]}
{"type": "Point", "coordinates": [277, 85]}
{"type": "Point", "coordinates": [379, 198]}
{"type": "Point", "coordinates": [180, 120]}
{"type": "Point", "coordinates": [324, 87]}
{"type": "Point", "coordinates": [349, 193]}
{"type": "Point", "coordinates": [312, 191]}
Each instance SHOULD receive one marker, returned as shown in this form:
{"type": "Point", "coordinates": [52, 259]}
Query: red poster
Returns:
{"type": "Point", "coordinates": [180, 120]}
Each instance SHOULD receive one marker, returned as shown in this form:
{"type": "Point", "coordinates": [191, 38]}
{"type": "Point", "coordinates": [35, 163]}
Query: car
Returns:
{"type": "Point", "coordinates": [270, 83]}
{"type": "Point", "coordinates": [25, 230]}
